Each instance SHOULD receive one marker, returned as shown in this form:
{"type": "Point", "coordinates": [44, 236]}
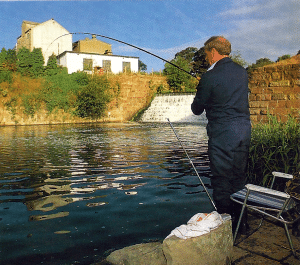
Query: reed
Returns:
{"type": "Point", "coordinates": [275, 146]}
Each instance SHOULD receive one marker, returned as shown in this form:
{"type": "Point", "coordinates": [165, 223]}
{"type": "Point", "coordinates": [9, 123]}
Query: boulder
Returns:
{"type": "Point", "coordinates": [140, 254]}
{"type": "Point", "coordinates": [214, 248]}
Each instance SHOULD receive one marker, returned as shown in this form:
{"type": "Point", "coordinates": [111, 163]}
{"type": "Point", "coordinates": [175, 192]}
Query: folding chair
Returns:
{"type": "Point", "coordinates": [268, 202]}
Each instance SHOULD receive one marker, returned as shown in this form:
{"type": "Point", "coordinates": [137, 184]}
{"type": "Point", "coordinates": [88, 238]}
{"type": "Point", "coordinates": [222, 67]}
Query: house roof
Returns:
{"type": "Point", "coordinates": [109, 55]}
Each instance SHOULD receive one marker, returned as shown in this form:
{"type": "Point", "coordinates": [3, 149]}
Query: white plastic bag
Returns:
{"type": "Point", "coordinates": [199, 224]}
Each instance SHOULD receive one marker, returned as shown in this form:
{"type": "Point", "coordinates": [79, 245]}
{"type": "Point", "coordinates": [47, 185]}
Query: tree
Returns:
{"type": "Point", "coordinates": [142, 66]}
{"type": "Point", "coordinates": [283, 57]}
{"type": "Point", "coordinates": [178, 80]}
{"type": "Point", "coordinates": [30, 63]}
{"type": "Point", "coordinates": [237, 58]}
{"type": "Point", "coordinates": [259, 63]}
{"type": "Point", "coordinates": [187, 54]}
{"type": "Point", "coordinates": [24, 61]}
{"type": "Point", "coordinates": [3, 55]}
{"type": "Point", "coordinates": [37, 62]}
{"type": "Point", "coordinates": [11, 60]}
{"type": "Point", "coordinates": [93, 99]}
{"type": "Point", "coordinates": [200, 65]}
{"type": "Point", "coordinates": [52, 67]}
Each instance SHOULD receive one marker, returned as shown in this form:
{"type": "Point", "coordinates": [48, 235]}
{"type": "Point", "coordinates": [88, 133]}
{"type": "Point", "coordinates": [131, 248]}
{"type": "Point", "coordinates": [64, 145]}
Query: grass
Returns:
{"type": "Point", "coordinates": [275, 146]}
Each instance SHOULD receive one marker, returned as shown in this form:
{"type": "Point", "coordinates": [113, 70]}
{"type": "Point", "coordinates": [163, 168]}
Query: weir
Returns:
{"type": "Point", "coordinates": [176, 107]}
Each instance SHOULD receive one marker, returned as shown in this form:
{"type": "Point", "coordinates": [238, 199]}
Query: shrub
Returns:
{"type": "Point", "coordinates": [59, 91]}
{"type": "Point", "coordinates": [92, 100]}
{"type": "Point", "coordinates": [275, 146]}
{"type": "Point", "coordinates": [5, 76]}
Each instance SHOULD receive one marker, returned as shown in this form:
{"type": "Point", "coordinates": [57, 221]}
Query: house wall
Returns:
{"type": "Point", "coordinates": [74, 61]}
{"type": "Point", "coordinates": [92, 46]}
{"type": "Point", "coordinates": [274, 89]}
{"type": "Point", "coordinates": [44, 35]}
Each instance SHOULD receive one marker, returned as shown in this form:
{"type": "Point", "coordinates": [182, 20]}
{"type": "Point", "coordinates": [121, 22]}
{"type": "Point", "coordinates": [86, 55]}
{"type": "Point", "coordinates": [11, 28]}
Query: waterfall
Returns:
{"type": "Point", "coordinates": [176, 107]}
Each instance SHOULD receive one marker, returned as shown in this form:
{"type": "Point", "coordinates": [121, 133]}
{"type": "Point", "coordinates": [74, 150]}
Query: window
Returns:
{"type": "Point", "coordinates": [87, 64]}
{"type": "Point", "coordinates": [126, 67]}
{"type": "Point", "coordinates": [107, 66]}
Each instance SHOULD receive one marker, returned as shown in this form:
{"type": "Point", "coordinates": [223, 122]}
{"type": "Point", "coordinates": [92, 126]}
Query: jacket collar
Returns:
{"type": "Point", "coordinates": [222, 61]}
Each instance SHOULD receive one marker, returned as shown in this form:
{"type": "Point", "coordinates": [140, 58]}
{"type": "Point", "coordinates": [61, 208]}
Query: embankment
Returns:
{"type": "Point", "coordinates": [135, 92]}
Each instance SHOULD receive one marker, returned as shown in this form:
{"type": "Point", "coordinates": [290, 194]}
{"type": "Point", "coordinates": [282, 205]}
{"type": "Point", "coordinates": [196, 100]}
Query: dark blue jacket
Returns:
{"type": "Point", "coordinates": [223, 93]}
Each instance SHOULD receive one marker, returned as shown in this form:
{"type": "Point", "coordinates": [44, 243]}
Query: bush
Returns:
{"type": "Point", "coordinates": [59, 91]}
{"type": "Point", "coordinates": [275, 146]}
{"type": "Point", "coordinates": [92, 100]}
{"type": "Point", "coordinates": [5, 76]}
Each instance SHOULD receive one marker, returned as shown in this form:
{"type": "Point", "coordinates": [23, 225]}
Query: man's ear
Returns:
{"type": "Point", "coordinates": [214, 52]}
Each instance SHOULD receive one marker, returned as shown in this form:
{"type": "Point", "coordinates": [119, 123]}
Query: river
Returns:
{"type": "Point", "coordinates": [70, 194]}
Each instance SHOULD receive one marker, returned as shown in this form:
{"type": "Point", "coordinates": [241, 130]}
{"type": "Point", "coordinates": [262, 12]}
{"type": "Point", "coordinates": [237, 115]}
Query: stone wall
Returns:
{"type": "Point", "coordinates": [275, 89]}
{"type": "Point", "coordinates": [136, 93]}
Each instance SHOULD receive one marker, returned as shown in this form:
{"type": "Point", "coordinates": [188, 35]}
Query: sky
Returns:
{"type": "Point", "coordinates": [255, 28]}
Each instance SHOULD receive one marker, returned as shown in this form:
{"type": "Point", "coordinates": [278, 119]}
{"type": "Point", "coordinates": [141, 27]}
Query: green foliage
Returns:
{"type": "Point", "coordinates": [37, 62]}
{"type": "Point", "coordinates": [200, 65]}
{"type": "Point", "coordinates": [237, 58]}
{"type": "Point", "coordinates": [59, 91]}
{"type": "Point", "coordinates": [11, 105]}
{"type": "Point", "coordinates": [187, 54]}
{"type": "Point", "coordinates": [259, 63]}
{"type": "Point", "coordinates": [30, 63]}
{"type": "Point", "coordinates": [92, 100]}
{"type": "Point", "coordinates": [24, 61]}
{"type": "Point", "coordinates": [10, 60]}
{"type": "Point", "coordinates": [81, 78]}
{"type": "Point", "coordinates": [3, 55]}
{"type": "Point", "coordinates": [283, 57]}
{"type": "Point", "coordinates": [142, 66]}
{"type": "Point", "coordinates": [275, 146]}
{"type": "Point", "coordinates": [5, 76]}
{"type": "Point", "coordinates": [52, 67]}
{"type": "Point", "coordinates": [31, 104]}
{"type": "Point", "coordinates": [178, 80]}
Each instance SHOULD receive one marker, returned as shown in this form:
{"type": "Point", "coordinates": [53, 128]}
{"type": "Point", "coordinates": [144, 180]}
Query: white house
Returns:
{"type": "Point", "coordinates": [92, 62]}
{"type": "Point", "coordinates": [49, 35]}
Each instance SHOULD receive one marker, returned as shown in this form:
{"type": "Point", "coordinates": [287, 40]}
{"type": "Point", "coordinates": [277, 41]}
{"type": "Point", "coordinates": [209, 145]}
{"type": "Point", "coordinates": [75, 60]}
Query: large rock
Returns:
{"type": "Point", "coordinates": [141, 254]}
{"type": "Point", "coordinates": [214, 248]}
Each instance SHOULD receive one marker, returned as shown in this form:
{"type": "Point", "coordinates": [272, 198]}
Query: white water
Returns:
{"type": "Point", "coordinates": [175, 107]}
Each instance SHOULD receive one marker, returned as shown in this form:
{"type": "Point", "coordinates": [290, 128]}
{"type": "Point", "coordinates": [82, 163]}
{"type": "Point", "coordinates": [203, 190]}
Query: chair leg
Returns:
{"type": "Point", "coordinates": [289, 239]}
{"type": "Point", "coordinates": [239, 222]}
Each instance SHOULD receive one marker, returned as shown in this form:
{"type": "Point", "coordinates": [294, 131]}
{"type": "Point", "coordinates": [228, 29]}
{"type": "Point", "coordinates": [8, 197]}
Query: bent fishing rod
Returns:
{"type": "Point", "coordinates": [191, 162]}
{"type": "Point", "coordinates": [123, 42]}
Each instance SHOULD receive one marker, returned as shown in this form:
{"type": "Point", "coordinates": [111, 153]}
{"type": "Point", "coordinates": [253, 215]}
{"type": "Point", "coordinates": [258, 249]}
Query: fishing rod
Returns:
{"type": "Point", "coordinates": [191, 162]}
{"type": "Point", "coordinates": [123, 42]}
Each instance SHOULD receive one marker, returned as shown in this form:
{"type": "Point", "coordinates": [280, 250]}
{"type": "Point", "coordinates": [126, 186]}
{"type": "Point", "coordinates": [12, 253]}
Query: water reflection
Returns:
{"type": "Point", "coordinates": [55, 179]}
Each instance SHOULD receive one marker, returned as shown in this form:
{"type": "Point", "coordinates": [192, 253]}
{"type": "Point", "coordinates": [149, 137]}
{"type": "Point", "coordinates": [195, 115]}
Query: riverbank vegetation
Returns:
{"type": "Point", "coordinates": [26, 84]}
{"type": "Point", "coordinates": [275, 146]}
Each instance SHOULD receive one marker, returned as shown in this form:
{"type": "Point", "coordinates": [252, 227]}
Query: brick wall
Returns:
{"type": "Point", "coordinates": [275, 89]}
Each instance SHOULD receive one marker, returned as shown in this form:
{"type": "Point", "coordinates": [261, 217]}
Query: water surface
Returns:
{"type": "Point", "coordinates": [69, 194]}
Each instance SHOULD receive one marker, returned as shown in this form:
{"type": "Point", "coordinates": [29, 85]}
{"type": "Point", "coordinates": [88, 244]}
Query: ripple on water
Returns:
{"type": "Point", "coordinates": [96, 187]}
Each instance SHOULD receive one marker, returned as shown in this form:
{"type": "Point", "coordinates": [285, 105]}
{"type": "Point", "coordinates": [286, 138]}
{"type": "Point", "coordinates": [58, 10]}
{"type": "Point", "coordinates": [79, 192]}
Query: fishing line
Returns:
{"type": "Point", "coordinates": [191, 162]}
{"type": "Point", "coordinates": [123, 42]}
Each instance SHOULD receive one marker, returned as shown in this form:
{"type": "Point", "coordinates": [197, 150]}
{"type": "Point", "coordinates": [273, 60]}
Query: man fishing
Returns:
{"type": "Point", "coordinates": [223, 93]}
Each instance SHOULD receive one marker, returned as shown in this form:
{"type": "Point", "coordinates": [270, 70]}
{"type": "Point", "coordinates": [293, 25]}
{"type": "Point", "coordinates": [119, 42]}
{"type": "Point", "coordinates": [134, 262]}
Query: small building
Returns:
{"type": "Point", "coordinates": [50, 36]}
{"type": "Point", "coordinates": [97, 63]}
{"type": "Point", "coordinates": [92, 46]}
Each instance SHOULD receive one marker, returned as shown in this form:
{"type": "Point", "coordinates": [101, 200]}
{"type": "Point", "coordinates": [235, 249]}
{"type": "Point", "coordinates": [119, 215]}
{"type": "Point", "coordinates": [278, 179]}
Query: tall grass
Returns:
{"type": "Point", "coordinates": [275, 146]}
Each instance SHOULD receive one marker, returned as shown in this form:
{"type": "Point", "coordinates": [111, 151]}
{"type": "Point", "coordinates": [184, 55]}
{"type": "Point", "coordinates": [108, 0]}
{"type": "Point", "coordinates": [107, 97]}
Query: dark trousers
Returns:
{"type": "Point", "coordinates": [228, 150]}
